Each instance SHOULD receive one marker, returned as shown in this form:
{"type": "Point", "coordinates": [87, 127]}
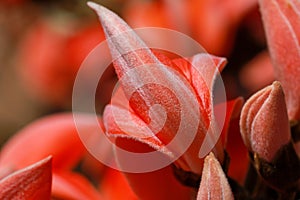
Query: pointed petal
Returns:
{"type": "Point", "coordinates": [30, 183]}
{"type": "Point", "coordinates": [264, 123]}
{"type": "Point", "coordinates": [214, 184]}
{"type": "Point", "coordinates": [69, 185]}
{"type": "Point", "coordinates": [159, 95]}
{"type": "Point", "coordinates": [54, 135]}
{"type": "Point", "coordinates": [282, 25]}
{"type": "Point", "coordinates": [126, 47]}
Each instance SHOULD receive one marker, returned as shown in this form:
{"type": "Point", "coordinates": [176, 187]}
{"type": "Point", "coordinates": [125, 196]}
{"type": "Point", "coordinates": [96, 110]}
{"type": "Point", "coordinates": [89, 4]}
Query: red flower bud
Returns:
{"type": "Point", "coordinates": [264, 122]}
{"type": "Point", "coordinates": [214, 184]}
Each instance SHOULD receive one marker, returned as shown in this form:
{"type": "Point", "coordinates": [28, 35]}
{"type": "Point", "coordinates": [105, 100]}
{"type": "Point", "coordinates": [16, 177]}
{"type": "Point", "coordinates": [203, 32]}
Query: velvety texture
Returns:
{"type": "Point", "coordinates": [31, 183]}
{"type": "Point", "coordinates": [214, 184]}
{"type": "Point", "coordinates": [281, 20]}
{"type": "Point", "coordinates": [264, 122]}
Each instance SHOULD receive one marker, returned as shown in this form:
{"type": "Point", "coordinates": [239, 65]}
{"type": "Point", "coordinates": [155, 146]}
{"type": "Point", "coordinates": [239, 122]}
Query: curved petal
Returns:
{"type": "Point", "coordinates": [281, 22]}
{"type": "Point", "coordinates": [69, 185]}
{"type": "Point", "coordinates": [54, 135]}
{"type": "Point", "coordinates": [120, 122]}
{"type": "Point", "coordinates": [30, 183]}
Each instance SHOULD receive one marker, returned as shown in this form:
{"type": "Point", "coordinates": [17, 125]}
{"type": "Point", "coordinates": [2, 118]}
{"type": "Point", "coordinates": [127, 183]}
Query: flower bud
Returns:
{"type": "Point", "coordinates": [214, 184]}
{"type": "Point", "coordinates": [264, 122]}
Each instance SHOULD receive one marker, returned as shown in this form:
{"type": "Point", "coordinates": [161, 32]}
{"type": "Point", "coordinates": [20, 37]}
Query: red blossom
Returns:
{"type": "Point", "coordinates": [190, 74]}
{"type": "Point", "coordinates": [49, 56]}
{"type": "Point", "coordinates": [54, 135]}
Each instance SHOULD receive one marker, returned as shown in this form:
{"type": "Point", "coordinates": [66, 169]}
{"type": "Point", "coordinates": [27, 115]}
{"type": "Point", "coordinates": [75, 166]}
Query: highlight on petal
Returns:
{"type": "Point", "coordinates": [30, 183]}
{"type": "Point", "coordinates": [281, 21]}
{"type": "Point", "coordinates": [70, 185]}
{"type": "Point", "coordinates": [264, 122]}
{"type": "Point", "coordinates": [214, 184]}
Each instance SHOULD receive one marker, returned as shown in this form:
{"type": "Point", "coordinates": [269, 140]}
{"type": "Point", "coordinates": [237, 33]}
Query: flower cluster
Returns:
{"type": "Point", "coordinates": [171, 127]}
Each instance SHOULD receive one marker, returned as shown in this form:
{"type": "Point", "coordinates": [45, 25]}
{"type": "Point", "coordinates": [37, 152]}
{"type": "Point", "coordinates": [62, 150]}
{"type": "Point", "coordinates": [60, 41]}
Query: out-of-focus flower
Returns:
{"type": "Point", "coordinates": [264, 122]}
{"type": "Point", "coordinates": [214, 184]}
{"type": "Point", "coordinates": [258, 73]}
{"type": "Point", "coordinates": [54, 135]}
{"type": "Point", "coordinates": [30, 183]}
{"type": "Point", "coordinates": [50, 54]}
{"type": "Point", "coordinates": [282, 25]}
{"type": "Point", "coordinates": [212, 23]}
{"type": "Point", "coordinates": [57, 136]}
{"type": "Point", "coordinates": [12, 2]}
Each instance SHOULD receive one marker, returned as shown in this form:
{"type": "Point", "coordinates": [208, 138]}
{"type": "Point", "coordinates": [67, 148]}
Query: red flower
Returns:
{"type": "Point", "coordinates": [135, 130]}
{"type": "Point", "coordinates": [50, 55]}
{"type": "Point", "coordinates": [282, 25]}
{"type": "Point", "coordinates": [57, 136]}
{"type": "Point", "coordinates": [188, 76]}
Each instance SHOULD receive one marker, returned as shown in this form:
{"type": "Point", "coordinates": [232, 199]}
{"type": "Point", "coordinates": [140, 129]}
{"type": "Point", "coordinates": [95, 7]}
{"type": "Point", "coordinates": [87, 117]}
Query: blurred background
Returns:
{"type": "Point", "coordinates": [42, 44]}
